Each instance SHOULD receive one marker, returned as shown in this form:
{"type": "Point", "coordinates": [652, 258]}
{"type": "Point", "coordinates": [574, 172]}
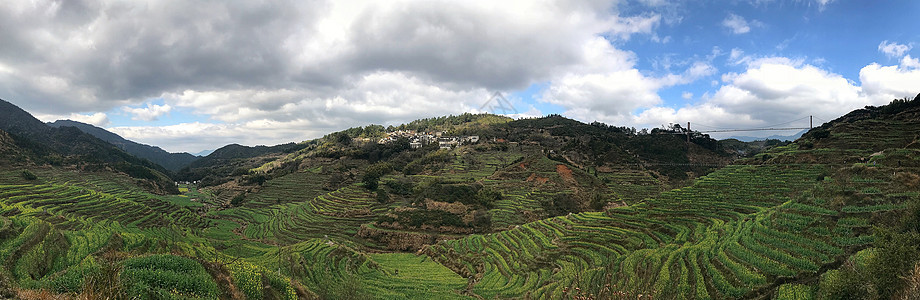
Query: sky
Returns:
{"type": "Point", "coordinates": [196, 75]}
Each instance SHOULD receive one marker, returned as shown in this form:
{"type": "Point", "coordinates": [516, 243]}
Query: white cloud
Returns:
{"type": "Point", "coordinates": [893, 49]}
{"type": "Point", "coordinates": [320, 65]}
{"type": "Point", "coordinates": [603, 96]}
{"type": "Point", "coordinates": [97, 119]}
{"type": "Point", "coordinates": [782, 89]}
{"type": "Point", "coordinates": [381, 97]}
{"type": "Point", "coordinates": [737, 24]}
{"type": "Point", "coordinates": [609, 88]}
{"type": "Point", "coordinates": [699, 70]}
{"type": "Point", "coordinates": [626, 27]}
{"type": "Point", "coordinates": [532, 112]}
{"type": "Point", "coordinates": [686, 95]}
{"type": "Point", "coordinates": [194, 137]}
{"type": "Point", "coordinates": [703, 113]}
{"type": "Point", "coordinates": [280, 71]}
{"type": "Point", "coordinates": [736, 56]}
{"type": "Point", "coordinates": [885, 83]}
{"type": "Point", "coordinates": [908, 62]}
{"type": "Point", "coordinates": [775, 90]}
{"type": "Point", "coordinates": [823, 3]}
{"type": "Point", "coordinates": [149, 113]}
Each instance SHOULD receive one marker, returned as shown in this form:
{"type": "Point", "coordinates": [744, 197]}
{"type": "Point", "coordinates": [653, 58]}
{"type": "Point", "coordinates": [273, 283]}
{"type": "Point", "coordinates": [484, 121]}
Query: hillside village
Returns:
{"type": "Point", "coordinates": [421, 139]}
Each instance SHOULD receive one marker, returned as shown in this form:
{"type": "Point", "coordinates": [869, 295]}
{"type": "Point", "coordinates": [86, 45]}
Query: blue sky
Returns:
{"type": "Point", "coordinates": [196, 77]}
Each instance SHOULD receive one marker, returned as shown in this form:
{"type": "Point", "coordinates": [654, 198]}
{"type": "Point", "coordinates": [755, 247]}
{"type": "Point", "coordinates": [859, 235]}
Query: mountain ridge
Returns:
{"type": "Point", "coordinates": [171, 161]}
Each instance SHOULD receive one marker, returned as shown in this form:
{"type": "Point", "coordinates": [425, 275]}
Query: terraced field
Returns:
{"type": "Point", "coordinates": [336, 214]}
{"type": "Point", "coordinates": [630, 185]}
{"type": "Point", "coordinates": [296, 187]}
{"type": "Point", "coordinates": [729, 235]}
{"type": "Point", "coordinates": [74, 205]}
{"type": "Point", "coordinates": [337, 271]}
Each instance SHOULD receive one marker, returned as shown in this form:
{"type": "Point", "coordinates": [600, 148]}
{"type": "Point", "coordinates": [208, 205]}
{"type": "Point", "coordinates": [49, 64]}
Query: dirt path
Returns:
{"type": "Point", "coordinates": [566, 174]}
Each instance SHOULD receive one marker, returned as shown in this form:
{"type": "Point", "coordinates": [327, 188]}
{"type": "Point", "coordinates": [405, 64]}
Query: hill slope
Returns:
{"type": "Point", "coordinates": [170, 161]}
{"type": "Point", "coordinates": [68, 146]}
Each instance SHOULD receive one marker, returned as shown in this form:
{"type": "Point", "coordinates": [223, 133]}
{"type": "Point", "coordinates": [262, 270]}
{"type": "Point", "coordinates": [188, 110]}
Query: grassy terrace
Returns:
{"type": "Point", "coordinates": [731, 233]}
{"type": "Point", "coordinates": [337, 214]}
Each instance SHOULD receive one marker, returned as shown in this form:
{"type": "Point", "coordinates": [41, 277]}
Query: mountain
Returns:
{"type": "Point", "coordinates": [772, 137]}
{"type": "Point", "coordinates": [170, 161]}
{"type": "Point", "coordinates": [218, 166]}
{"type": "Point", "coordinates": [69, 146]}
{"type": "Point", "coordinates": [203, 153]}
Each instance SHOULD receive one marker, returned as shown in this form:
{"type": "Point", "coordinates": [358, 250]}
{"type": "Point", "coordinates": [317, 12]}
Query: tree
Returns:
{"type": "Point", "coordinates": [334, 181]}
{"type": "Point", "coordinates": [372, 176]}
{"type": "Point", "coordinates": [560, 204]}
{"type": "Point", "coordinates": [238, 199]}
{"type": "Point", "coordinates": [487, 197]}
{"type": "Point", "coordinates": [482, 220]}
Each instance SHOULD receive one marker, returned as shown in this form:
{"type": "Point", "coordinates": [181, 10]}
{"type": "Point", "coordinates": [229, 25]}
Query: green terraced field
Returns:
{"type": "Point", "coordinates": [730, 234]}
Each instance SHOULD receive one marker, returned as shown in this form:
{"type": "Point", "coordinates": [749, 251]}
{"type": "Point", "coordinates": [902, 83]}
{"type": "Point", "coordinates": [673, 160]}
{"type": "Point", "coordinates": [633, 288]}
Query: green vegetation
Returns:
{"type": "Point", "coordinates": [545, 208]}
{"type": "Point", "coordinates": [167, 276]}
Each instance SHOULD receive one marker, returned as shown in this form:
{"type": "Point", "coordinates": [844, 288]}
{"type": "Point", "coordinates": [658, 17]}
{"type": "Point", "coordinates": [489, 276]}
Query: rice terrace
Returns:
{"type": "Point", "coordinates": [341, 150]}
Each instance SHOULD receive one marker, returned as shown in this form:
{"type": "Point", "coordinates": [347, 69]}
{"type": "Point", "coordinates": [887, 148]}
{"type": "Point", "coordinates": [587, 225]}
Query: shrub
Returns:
{"type": "Point", "coordinates": [560, 204]}
{"type": "Point", "coordinates": [28, 175]}
{"type": "Point", "coordinates": [794, 292]}
{"type": "Point", "coordinates": [238, 199]}
{"type": "Point", "coordinates": [875, 273]}
{"type": "Point", "coordinates": [259, 179]}
{"type": "Point", "coordinates": [820, 133]}
{"type": "Point", "coordinates": [167, 276]}
{"type": "Point", "coordinates": [382, 196]}
{"type": "Point", "coordinates": [417, 218]}
{"type": "Point", "coordinates": [487, 197]}
{"type": "Point", "coordinates": [402, 186]}
{"type": "Point", "coordinates": [482, 220]}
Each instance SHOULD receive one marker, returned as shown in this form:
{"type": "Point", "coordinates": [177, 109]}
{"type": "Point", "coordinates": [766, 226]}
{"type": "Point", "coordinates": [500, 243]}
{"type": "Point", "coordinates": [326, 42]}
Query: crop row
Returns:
{"type": "Point", "coordinates": [720, 237]}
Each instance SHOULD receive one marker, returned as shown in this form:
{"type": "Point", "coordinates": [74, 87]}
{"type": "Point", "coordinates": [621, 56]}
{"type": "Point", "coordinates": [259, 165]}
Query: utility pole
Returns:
{"type": "Point", "coordinates": [810, 122]}
{"type": "Point", "coordinates": [688, 132]}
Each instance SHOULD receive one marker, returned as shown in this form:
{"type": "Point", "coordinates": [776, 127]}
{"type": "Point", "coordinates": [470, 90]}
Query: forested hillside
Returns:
{"type": "Point", "coordinates": [71, 148]}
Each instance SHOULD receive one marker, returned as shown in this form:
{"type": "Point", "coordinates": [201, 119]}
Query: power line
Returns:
{"type": "Point", "coordinates": [709, 126]}
{"type": "Point", "coordinates": [799, 119]}
{"type": "Point", "coordinates": [768, 126]}
{"type": "Point", "coordinates": [774, 127]}
{"type": "Point", "coordinates": [754, 129]}
{"type": "Point", "coordinates": [740, 130]}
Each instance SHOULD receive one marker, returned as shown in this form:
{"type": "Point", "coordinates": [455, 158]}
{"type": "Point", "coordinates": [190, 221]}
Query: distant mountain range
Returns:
{"type": "Point", "coordinates": [170, 161]}
{"type": "Point", "coordinates": [772, 137]}
{"type": "Point", "coordinates": [203, 153]}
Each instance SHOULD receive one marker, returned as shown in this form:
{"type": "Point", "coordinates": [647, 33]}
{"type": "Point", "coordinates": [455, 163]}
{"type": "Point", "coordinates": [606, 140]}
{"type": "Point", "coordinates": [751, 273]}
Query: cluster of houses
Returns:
{"type": "Point", "coordinates": [420, 139]}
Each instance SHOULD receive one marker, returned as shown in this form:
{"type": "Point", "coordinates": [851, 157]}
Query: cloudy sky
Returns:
{"type": "Point", "coordinates": [196, 75]}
